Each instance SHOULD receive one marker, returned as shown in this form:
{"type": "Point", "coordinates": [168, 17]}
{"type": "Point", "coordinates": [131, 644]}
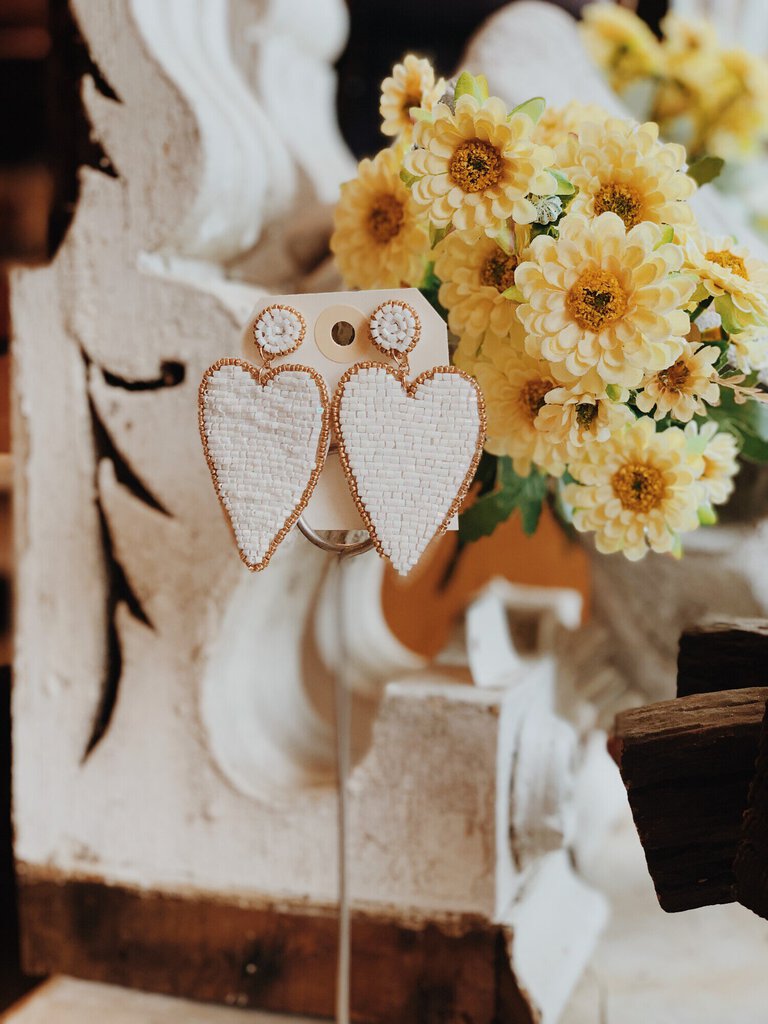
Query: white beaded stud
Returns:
{"type": "Point", "coordinates": [394, 328]}
{"type": "Point", "coordinates": [278, 330]}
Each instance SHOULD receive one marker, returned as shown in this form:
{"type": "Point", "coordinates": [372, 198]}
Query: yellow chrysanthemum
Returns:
{"type": "Point", "coordinates": [740, 126]}
{"type": "Point", "coordinates": [637, 491]}
{"type": "Point", "coordinates": [475, 273]}
{"type": "Point", "coordinates": [686, 36]}
{"type": "Point", "coordinates": [476, 168]}
{"type": "Point", "coordinates": [620, 43]}
{"type": "Point", "coordinates": [603, 304]}
{"type": "Point", "coordinates": [737, 280]}
{"type": "Point", "coordinates": [381, 237]}
{"type": "Point", "coordinates": [572, 418]}
{"type": "Point", "coordinates": [680, 390]}
{"type": "Point", "coordinates": [621, 167]}
{"type": "Point", "coordinates": [694, 84]}
{"type": "Point", "coordinates": [714, 456]}
{"type": "Point", "coordinates": [713, 100]}
{"type": "Point", "coordinates": [514, 387]}
{"type": "Point", "coordinates": [556, 123]}
{"type": "Point", "coordinates": [411, 84]}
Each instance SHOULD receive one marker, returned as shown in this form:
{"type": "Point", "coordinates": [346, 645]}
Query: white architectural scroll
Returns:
{"type": "Point", "coordinates": [174, 735]}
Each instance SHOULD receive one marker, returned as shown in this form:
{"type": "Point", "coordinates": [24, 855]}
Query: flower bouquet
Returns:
{"type": "Point", "coordinates": [618, 345]}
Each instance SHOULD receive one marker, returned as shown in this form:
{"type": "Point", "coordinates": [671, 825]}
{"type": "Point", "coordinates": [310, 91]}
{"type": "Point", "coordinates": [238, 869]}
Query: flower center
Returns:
{"type": "Point", "coordinates": [638, 486]}
{"type": "Point", "coordinates": [410, 100]}
{"type": "Point", "coordinates": [498, 271]}
{"type": "Point", "coordinates": [385, 217]}
{"type": "Point", "coordinates": [596, 299]}
{"type": "Point", "coordinates": [586, 413]}
{"type": "Point", "coordinates": [619, 199]}
{"type": "Point", "coordinates": [476, 165]}
{"type": "Point", "coordinates": [532, 395]}
{"type": "Point", "coordinates": [674, 378]}
{"type": "Point", "coordinates": [728, 261]}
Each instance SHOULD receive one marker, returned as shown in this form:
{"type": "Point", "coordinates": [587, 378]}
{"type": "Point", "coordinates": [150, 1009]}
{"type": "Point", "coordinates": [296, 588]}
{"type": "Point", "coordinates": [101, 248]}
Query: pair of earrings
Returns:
{"type": "Point", "coordinates": [409, 449]}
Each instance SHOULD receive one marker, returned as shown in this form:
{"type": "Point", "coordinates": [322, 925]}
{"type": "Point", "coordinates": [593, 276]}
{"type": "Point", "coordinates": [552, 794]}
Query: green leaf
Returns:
{"type": "Point", "coordinates": [513, 293]}
{"type": "Point", "coordinates": [482, 518]}
{"type": "Point", "coordinates": [705, 169]}
{"type": "Point", "coordinates": [667, 236]}
{"type": "Point", "coordinates": [707, 515]}
{"type": "Point", "coordinates": [614, 392]}
{"type": "Point", "coordinates": [724, 306]}
{"type": "Point", "coordinates": [430, 289]}
{"type": "Point", "coordinates": [506, 477]}
{"type": "Point", "coordinates": [420, 114]}
{"type": "Point", "coordinates": [406, 178]}
{"type": "Point", "coordinates": [436, 234]}
{"type": "Point", "coordinates": [533, 491]}
{"type": "Point", "coordinates": [469, 85]}
{"type": "Point", "coordinates": [564, 187]}
{"type": "Point", "coordinates": [526, 493]}
{"type": "Point", "coordinates": [532, 108]}
{"type": "Point", "coordinates": [530, 513]}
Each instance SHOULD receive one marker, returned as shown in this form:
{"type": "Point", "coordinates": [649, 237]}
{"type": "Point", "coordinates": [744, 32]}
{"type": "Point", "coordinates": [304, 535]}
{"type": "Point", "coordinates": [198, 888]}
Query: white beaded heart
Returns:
{"type": "Point", "coordinates": [409, 452]}
{"type": "Point", "coordinates": [265, 438]}
{"type": "Point", "coordinates": [279, 330]}
{"type": "Point", "coordinates": [395, 328]}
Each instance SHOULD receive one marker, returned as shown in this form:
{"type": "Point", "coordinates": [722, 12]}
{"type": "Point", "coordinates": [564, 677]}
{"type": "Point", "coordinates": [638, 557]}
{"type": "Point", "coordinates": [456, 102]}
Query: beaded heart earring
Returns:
{"type": "Point", "coordinates": [409, 448]}
{"type": "Point", "coordinates": [265, 435]}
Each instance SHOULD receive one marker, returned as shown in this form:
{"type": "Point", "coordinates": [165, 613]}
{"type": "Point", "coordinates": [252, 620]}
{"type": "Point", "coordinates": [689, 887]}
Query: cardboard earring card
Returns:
{"type": "Point", "coordinates": [337, 338]}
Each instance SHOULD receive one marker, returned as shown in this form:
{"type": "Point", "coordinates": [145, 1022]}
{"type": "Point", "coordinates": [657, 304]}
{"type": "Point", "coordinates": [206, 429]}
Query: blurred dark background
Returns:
{"type": "Point", "coordinates": [44, 138]}
{"type": "Point", "coordinates": [383, 31]}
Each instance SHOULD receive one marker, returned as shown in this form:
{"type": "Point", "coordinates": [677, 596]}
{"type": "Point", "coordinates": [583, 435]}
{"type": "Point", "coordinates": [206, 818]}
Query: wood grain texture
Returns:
{"type": "Point", "coordinates": [751, 864]}
{"type": "Point", "coordinates": [725, 655]}
{"type": "Point", "coordinates": [688, 765]}
{"type": "Point", "coordinates": [276, 958]}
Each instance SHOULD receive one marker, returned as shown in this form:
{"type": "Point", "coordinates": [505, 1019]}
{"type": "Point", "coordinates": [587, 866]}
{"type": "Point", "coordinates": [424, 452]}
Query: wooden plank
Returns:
{"type": "Point", "coordinates": [69, 1001]}
{"type": "Point", "coordinates": [276, 958]}
{"type": "Point", "coordinates": [726, 655]}
{"type": "Point", "coordinates": [688, 765]}
{"type": "Point", "coordinates": [751, 865]}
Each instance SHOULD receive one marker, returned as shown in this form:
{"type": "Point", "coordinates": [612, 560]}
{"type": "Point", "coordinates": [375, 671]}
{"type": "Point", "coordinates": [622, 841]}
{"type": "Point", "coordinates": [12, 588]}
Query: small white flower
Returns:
{"type": "Point", "coordinates": [548, 209]}
{"type": "Point", "coordinates": [708, 320]}
{"type": "Point", "coordinates": [449, 96]}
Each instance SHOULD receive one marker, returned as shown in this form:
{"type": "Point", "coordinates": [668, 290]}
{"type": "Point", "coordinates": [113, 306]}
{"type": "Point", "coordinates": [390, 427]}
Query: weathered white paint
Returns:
{"type": "Point", "coordinates": [215, 773]}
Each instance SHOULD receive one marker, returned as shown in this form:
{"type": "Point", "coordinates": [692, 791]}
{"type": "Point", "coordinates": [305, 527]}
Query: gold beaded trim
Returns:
{"type": "Point", "coordinates": [410, 388]}
{"type": "Point", "coordinates": [263, 376]}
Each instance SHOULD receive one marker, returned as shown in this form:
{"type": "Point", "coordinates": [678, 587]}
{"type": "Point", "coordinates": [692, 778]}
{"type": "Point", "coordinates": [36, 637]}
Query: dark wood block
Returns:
{"type": "Point", "coordinates": [726, 655]}
{"type": "Point", "coordinates": [280, 958]}
{"type": "Point", "coordinates": [751, 865]}
{"type": "Point", "coordinates": [688, 765]}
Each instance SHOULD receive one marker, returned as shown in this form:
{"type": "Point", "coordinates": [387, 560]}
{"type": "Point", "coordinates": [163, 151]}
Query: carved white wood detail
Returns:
{"type": "Point", "coordinates": [184, 706]}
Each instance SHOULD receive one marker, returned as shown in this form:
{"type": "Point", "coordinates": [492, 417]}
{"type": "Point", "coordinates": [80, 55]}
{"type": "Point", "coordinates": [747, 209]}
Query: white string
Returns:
{"type": "Point", "coordinates": [343, 739]}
